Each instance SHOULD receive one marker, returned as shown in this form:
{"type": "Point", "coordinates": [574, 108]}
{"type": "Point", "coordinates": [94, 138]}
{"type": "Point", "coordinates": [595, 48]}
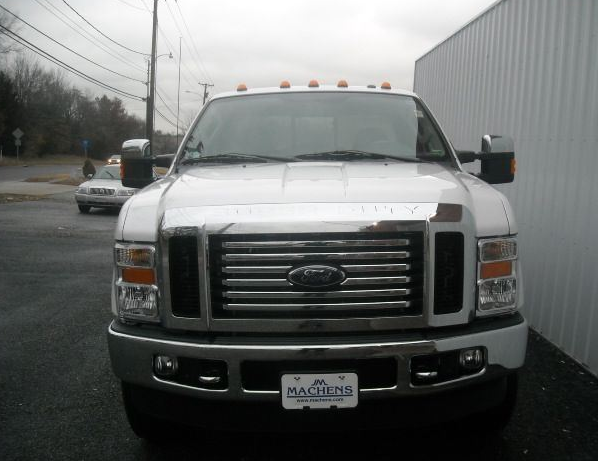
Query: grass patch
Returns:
{"type": "Point", "coordinates": [14, 198]}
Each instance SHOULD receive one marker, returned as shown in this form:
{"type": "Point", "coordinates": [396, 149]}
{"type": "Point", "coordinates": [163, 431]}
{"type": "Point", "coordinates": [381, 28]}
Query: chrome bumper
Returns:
{"type": "Point", "coordinates": [132, 353]}
{"type": "Point", "coordinates": [101, 200]}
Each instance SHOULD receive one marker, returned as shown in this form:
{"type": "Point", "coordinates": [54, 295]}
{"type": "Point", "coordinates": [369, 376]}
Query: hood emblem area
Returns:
{"type": "Point", "coordinates": [316, 276]}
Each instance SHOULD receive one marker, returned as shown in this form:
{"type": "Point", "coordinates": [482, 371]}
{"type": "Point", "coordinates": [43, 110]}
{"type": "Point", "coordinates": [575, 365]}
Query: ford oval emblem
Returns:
{"type": "Point", "coordinates": [316, 276]}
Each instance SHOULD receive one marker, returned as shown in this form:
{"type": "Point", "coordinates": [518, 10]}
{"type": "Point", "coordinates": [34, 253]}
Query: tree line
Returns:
{"type": "Point", "coordinates": [57, 117]}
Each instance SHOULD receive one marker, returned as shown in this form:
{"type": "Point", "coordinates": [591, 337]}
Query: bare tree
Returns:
{"type": "Point", "coordinates": [7, 44]}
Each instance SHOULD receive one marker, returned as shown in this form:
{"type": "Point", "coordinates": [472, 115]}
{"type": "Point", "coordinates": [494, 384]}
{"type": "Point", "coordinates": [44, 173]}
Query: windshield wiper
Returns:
{"type": "Point", "coordinates": [233, 157]}
{"type": "Point", "coordinates": [355, 155]}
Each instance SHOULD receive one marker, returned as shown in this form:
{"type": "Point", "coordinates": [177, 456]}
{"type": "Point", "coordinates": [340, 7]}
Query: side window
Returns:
{"type": "Point", "coordinates": [147, 151]}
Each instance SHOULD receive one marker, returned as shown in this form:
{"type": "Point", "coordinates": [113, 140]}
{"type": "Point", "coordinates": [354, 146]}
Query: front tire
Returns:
{"type": "Point", "coordinates": [84, 208]}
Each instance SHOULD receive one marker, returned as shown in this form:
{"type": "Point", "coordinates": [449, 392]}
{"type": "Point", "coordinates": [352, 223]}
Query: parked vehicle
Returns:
{"type": "Point", "coordinates": [104, 189]}
{"type": "Point", "coordinates": [317, 257]}
{"type": "Point", "coordinates": [114, 159]}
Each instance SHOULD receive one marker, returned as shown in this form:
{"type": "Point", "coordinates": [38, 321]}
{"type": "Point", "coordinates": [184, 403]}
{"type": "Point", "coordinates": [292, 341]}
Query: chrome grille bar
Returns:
{"type": "Point", "coordinates": [316, 243]}
{"type": "Point", "coordinates": [286, 283]}
{"type": "Point", "coordinates": [317, 306]}
{"type": "Point", "coordinates": [321, 256]}
{"type": "Point", "coordinates": [376, 267]}
{"type": "Point", "coordinates": [351, 268]}
{"type": "Point", "coordinates": [316, 294]}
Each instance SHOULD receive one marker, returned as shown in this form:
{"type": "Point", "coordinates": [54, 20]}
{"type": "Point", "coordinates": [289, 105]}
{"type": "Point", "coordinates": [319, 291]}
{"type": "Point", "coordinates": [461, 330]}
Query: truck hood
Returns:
{"type": "Point", "coordinates": [313, 183]}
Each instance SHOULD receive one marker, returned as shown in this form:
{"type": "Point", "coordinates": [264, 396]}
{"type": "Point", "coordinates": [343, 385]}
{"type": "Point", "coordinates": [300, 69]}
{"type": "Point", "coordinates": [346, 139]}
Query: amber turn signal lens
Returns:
{"type": "Point", "coordinates": [385, 86]}
{"type": "Point", "coordinates": [313, 84]}
{"type": "Point", "coordinates": [135, 275]}
{"type": "Point", "coordinates": [342, 84]}
{"type": "Point", "coordinates": [242, 87]}
{"type": "Point", "coordinates": [496, 269]}
{"type": "Point", "coordinates": [285, 84]}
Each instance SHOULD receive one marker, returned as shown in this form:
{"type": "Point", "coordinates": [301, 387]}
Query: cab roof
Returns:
{"type": "Point", "coordinates": [319, 89]}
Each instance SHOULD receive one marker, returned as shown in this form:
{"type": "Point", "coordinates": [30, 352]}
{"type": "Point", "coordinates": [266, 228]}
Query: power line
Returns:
{"type": "Point", "coordinates": [183, 37]}
{"type": "Point", "coordinates": [132, 6]}
{"type": "Point", "coordinates": [178, 57]}
{"type": "Point", "coordinates": [113, 53]}
{"type": "Point", "coordinates": [193, 43]}
{"type": "Point", "coordinates": [102, 33]}
{"type": "Point", "coordinates": [71, 50]}
{"type": "Point", "coordinates": [165, 105]}
{"type": "Point", "coordinates": [9, 33]}
{"type": "Point", "coordinates": [165, 118]}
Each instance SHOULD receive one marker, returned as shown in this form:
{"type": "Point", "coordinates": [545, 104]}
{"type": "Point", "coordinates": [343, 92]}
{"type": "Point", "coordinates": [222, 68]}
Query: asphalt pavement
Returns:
{"type": "Point", "coordinates": [60, 400]}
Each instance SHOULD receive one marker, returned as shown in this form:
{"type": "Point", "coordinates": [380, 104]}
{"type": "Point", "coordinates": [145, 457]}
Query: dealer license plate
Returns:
{"type": "Point", "coordinates": [321, 390]}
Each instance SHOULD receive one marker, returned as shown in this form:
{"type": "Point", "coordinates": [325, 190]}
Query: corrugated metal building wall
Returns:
{"type": "Point", "coordinates": [529, 69]}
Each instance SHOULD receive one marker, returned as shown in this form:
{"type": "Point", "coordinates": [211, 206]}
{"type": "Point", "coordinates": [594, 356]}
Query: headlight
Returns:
{"type": "Point", "coordinates": [82, 190]}
{"type": "Point", "coordinates": [497, 276]}
{"type": "Point", "coordinates": [137, 293]}
{"type": "Point", "coordinates": [126, 192]}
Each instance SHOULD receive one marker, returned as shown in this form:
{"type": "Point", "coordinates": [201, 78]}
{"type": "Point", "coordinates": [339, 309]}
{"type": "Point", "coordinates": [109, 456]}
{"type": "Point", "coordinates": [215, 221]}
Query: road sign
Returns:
{"type": "Point", "coordinates": [17, 142]}
{"type": "Point", "coordinates": [18, 133]}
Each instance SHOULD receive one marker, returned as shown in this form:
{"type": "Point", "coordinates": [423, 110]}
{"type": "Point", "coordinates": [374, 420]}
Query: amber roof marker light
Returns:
{"type": "Point", "coordinates": [285, 84]}
{"type": "Point", "coordinates": [242, 87]}
{"type": "Point", "coordinates": [385, 86]}
{"type": "Point", "coordinates": [342, 84]}
{"type": "Point", "coordinates": [313, 84]}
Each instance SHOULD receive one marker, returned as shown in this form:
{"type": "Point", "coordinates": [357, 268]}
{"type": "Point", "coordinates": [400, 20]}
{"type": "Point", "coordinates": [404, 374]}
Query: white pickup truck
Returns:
{"type": "Point", "coordinates": [315, 257]}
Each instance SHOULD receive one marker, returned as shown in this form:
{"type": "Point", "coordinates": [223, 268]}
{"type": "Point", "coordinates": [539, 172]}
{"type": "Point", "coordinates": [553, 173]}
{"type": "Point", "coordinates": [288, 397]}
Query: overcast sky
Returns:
{"type": "Point", "coordinates": [257, 42]}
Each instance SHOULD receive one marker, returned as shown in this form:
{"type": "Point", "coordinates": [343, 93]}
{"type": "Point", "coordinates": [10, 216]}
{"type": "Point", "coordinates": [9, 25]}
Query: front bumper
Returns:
{"type": "Point", "coordinates": [132, 350]}
{"type": "Point", "coordinates": [101, 200]}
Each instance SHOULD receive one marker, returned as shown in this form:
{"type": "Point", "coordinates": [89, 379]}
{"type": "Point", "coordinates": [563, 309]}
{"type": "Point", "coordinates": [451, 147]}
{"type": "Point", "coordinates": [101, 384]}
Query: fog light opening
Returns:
{"type": "Point", "coordinates": [472, 360]}
{"type": "Point", "coordinates": [165, 366]}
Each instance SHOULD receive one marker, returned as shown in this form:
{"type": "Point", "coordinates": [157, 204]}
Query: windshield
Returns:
{"type": "Point", "coordinates": [314, 126]}
{"type": "Point", "coordinates": [108, 172]}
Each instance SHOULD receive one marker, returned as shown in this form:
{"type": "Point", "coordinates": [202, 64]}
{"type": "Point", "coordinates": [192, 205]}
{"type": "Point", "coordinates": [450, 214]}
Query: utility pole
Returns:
{"type": "Point", "coordinates": [149, 114]}
{"type": "Point", "coordinates": [205, 91]}
{"type": "Point", "coordinates": [178, 95]}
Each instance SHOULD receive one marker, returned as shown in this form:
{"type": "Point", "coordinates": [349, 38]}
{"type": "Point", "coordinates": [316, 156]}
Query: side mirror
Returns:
{"type": "Point", "coordinates": [136, 163]}
{"type": "Point", "coordinates": [497, 158]}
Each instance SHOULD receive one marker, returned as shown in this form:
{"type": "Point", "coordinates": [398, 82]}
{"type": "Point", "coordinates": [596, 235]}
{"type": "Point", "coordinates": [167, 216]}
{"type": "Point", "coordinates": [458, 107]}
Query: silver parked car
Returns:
{"type": "Point", "coordinates": [103, 190]}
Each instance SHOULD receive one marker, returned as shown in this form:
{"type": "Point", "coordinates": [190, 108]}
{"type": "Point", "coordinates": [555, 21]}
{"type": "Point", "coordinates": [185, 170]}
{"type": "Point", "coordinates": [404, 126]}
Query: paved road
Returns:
{"type": "Point", "coordinates": [59, 399]}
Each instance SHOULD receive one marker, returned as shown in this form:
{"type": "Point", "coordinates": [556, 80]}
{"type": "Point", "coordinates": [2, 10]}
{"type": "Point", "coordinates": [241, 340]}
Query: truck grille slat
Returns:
{"type": "Point", "coordinates": [318, 306]}
{"type": "Point", "coordinates": [316, 294]}
{"type": "Point", "coordinates": [286, 283]}
{"type": "Point", "coordinates": [312, 256]}
{"type": "Point", "coordinates": [318, 244]}
{"type": "Point", "coordinates": [249, 275]}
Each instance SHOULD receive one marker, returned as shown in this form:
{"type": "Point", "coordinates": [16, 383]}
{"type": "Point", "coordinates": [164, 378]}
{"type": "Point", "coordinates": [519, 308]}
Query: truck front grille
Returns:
{"type": "Point", "coordinates": [249, 275]}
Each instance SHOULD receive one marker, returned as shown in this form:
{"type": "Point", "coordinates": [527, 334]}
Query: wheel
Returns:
{"type": "Point", "coordinates": [84, 208]}
{"type": "Point", "coordinates": [496, 419]}
{"type": "Point", "coordinates": [144, 425]}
